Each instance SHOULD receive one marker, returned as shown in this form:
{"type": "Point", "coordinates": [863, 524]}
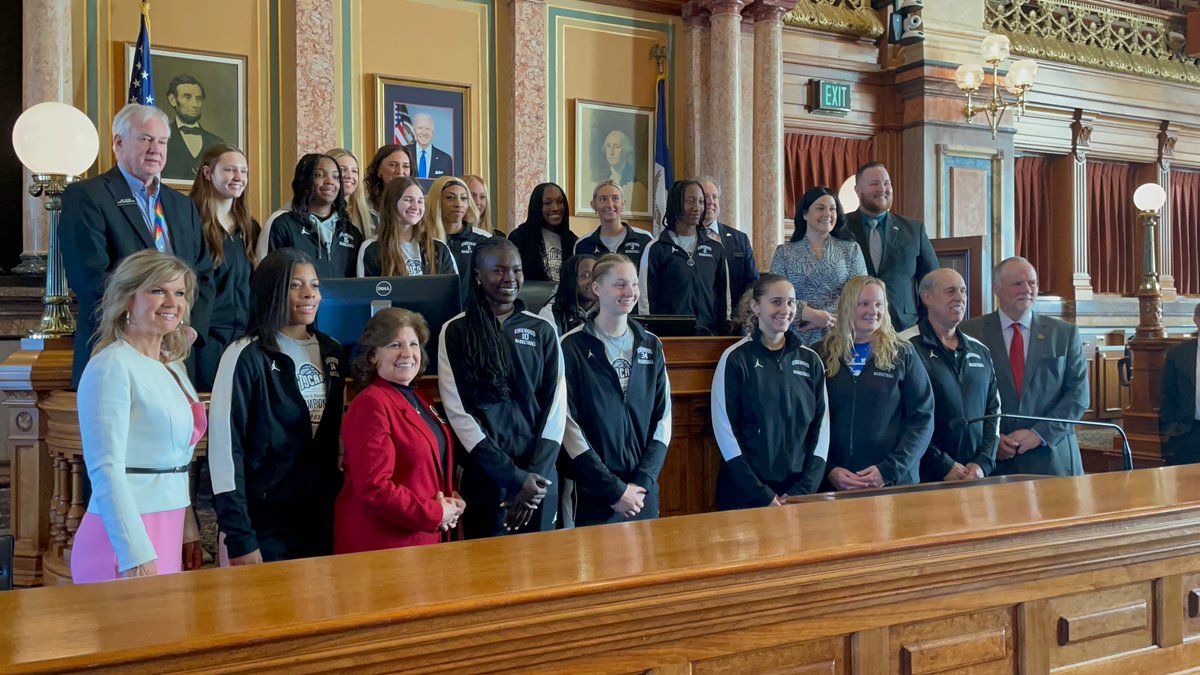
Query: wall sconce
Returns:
{"type": "Point", "coordinates": [1149, 199]}
{"type": "Point", "coordinates": [1019, 80]}
{"type": "Point", "coordinates": [57, 143]}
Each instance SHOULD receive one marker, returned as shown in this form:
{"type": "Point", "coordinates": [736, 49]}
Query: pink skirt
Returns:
{"type": "Point", "coordinates": [93, 558]}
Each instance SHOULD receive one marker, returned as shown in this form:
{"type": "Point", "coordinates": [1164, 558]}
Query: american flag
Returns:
{"type": "Point", "coordinates": [402, 129]}
{"type": "Point", "coordinates": [141, 78]}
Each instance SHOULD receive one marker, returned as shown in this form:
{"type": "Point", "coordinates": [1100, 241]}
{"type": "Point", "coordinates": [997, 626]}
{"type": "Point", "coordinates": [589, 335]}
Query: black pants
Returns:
{"type": "Point", "coordinates": [1183, 449]}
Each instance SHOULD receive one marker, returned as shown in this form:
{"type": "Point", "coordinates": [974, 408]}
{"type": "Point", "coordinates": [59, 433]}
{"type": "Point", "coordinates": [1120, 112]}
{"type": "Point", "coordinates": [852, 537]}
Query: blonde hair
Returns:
{"type": "Point", "coordinates": [481, 219]}
{"type": "Point", "coordinates": [433, 206]}
{"type": "Point", "coordinates": [607, 183]}
{"type": "Point", "coordinates": [356, 202]}
{"type": "Point", "coordinates": [136, 273]}
{"type": "Point", "coordinates": [839, 343]}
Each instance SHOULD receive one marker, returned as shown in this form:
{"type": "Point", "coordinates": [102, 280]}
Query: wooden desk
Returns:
{"type": "Point", "coordinates": [1092, 574]}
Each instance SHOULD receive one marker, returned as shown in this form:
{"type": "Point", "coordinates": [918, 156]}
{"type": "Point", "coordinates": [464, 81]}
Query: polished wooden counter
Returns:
{"type": "Point", "coordinates": [1092, 574]}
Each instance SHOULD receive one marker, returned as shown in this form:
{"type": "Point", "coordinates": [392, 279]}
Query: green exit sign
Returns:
{"type": "Point", "coordinates": [830, 98]}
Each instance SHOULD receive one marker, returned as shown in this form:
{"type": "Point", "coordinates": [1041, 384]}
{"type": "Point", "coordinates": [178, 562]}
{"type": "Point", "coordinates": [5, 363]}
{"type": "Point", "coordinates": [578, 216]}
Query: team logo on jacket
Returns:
{"type": "Point", "coordinates": [704, 251]}
{"type": "Point", "coordinates": [645, 356]}
{"type": "Point", "coordinates": [525, 336]}
{"type": "Point", "coordinates": [633, 247]}
{"type": "Point", "coordinates": [466, 247]}
{"type": "Point", "coordinates": [800, 367]}
{"type": "Point", "coordinates": [344, 239]}
{"type": "Point", "coordinates": [331, 364]}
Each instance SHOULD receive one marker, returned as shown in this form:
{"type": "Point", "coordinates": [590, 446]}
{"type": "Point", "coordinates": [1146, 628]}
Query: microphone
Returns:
{"type": "Point", "coordinates": [1126, 453]}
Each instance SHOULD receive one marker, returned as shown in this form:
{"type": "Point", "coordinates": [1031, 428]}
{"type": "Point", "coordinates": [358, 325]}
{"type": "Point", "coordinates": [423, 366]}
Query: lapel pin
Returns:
{"type": "Point", "coordinates": [126, 202]}
{"type": "Point", "coordinates": [1041, 337]}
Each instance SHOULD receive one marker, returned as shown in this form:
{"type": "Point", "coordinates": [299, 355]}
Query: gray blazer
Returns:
{"type": "Point", "coordinates": [1056, 385]}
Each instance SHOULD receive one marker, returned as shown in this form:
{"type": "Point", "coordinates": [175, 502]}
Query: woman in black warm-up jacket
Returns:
{"type": "Point", "coordinates": [619, 403]}
{"type": "Point", "coordinates": [769, 410]}
{"type": "Point", "coordinates": [880, 400]}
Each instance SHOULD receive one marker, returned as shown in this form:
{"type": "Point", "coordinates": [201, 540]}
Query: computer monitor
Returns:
{"type": "Point", "coordinates": [536, 294]}
{"type": "Point", "coordinates": [347, 304]}
{"type": "Point", "coordinates": [668, 325]}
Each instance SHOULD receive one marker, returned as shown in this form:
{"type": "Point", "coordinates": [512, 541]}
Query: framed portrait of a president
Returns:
{"type": "Point", "coordinates": [429, 119]}
{"type": "Point", "coordinates": [613, 142]}
{"type": "Point", "coordinates": [204, 95]}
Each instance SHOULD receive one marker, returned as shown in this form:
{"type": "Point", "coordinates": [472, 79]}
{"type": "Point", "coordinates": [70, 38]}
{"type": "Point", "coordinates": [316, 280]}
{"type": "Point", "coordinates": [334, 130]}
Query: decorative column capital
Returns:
{"type": "Point", "coordinates": [718, 7]}
{"type": "Point", "coordinates": [1166, 147]}
{"type": "Point", "coordinates": [695, 15]}
{"type": "Point", "coordinates": [771, 10]}
{"type": "Point", "coordinates": [1081, 138]}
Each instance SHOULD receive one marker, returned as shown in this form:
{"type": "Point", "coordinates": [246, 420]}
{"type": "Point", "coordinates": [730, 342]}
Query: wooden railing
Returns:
{"type": "Point", "coordinates": [1096, 574]}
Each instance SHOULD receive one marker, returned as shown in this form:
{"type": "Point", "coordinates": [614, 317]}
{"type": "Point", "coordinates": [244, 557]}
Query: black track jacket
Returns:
{"type": "Point", "coordinates": [771, 422]}
{"type": "Point", "coordinates": [671, 286]}
{"type": "Point", "coordinates": [614, 438]}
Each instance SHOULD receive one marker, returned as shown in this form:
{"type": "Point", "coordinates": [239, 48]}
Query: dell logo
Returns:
{"type": "Point", "coordinates": [383, 288]}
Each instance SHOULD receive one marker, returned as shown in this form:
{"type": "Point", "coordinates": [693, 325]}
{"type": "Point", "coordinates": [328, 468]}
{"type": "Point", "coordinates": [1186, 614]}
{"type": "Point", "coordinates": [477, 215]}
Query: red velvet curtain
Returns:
{"type": "Point", "coordinates": [1031, 178]}
{"type": "Point", "coordinates": [1111, 218]}
{"type": "Point", "coordinates": [811, 161]}
{"type": "Point", "coordinates": [1185, 231]}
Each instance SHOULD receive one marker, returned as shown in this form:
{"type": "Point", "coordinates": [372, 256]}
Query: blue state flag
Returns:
{"type": "Point", "coordinates": [141, 77]}
{"type": "Point", "coordinates": [664, 175]}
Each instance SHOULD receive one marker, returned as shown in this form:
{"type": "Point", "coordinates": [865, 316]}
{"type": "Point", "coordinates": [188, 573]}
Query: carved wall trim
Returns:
{"type": "Point", "coordinates": [850, 17]}
{"type": "Point", "coordinates": [1145, 43]}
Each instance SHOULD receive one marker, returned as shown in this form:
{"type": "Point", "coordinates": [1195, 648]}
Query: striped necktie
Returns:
{"type": "Point", "coordinates": [874, 243]}
{"type": "Point", "coordinates": [160, 228]}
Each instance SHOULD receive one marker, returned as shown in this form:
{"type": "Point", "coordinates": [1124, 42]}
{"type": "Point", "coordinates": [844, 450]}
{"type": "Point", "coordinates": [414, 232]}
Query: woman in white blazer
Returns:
{"type": "Point", "coordinates": [139, 418]}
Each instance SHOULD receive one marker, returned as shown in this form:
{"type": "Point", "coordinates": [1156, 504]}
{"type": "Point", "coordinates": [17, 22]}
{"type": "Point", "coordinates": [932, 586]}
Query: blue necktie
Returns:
{"type": "Point", "coordinates": [422, 167]}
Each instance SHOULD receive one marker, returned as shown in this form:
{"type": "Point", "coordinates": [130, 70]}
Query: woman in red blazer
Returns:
{"type": "Point", "coordinates": [398, 468]}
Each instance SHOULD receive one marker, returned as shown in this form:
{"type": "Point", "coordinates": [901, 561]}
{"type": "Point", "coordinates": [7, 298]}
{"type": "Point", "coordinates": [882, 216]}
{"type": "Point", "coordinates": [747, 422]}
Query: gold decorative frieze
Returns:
{"type": "Point", "coordinates": [1096, 36]}
{"type": "Point", "coordinates": [851, 17]}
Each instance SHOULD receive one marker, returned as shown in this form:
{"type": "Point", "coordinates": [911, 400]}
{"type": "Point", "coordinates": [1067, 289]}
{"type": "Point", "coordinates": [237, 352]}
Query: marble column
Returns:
{"type": "Point", "coordinates": [723, 141]}
{"type": "Point", "coordinates": [768, 127]}
{"type": "Point", "coordinates": [692, 108]}
{"type": "Point", "coordinates": [45, 76]}
{"type": "Point", "coordinates": [316, 114]}
{"type": "Point", "coordinates": [1081, 278]}
{"type": "Point", "coordinates": [527, 126]}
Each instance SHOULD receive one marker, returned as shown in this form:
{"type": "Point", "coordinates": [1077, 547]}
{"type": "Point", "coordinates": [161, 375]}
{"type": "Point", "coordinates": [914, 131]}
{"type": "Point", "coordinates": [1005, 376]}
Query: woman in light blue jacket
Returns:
{"type": "Point", "coordinates": [140, 420]}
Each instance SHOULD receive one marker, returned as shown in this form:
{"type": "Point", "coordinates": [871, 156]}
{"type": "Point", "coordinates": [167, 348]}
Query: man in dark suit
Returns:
{"type": "Point", "coordinates": [106, 218]}
{"type": "Point", "coordinates": [739, 257]}
{"type": "Point", "coordinates": [431, 161]}
{"type": "Point", "coordinates": [1179, 417]}
{"type": "Point", "coordinates": [188, 139]}
{"type": "Point", "coordinates": [896, 249]}
{"type": "Point", "coordinates": [1040, 370]}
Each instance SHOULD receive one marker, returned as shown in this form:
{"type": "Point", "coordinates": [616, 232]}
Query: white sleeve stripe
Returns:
{"type": "Point", "coordinates": [264, 237]}
{"type": "Point", "coordinates": [722, 427]}
{"type": "Point", "coordinates": [574, 442]}
{"type": "Point", "coordinates": [556, 418]}
{"type": "Point", "coordinates": [644, 280]}
{"type": "Point", "coordinates": [465, 426]}
{"type": "Point", "coordinates": [220, 427]}
{"type": "Point", "coordinates": [362, 253]}
{"type": "Point", "coordinates": [662, 432]}
{"type": "Point", "coordinates": [822, 449]}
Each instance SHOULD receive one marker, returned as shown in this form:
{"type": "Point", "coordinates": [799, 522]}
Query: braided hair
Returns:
{"type": "Point", "coordinates": [675, 202]}
{"type": "Point", "coordinates": [486, 348]}
{"type": "Point", "coordinates": [565, 304]}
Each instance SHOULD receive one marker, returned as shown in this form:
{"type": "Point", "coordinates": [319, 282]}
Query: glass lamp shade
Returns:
{"type": "Point", "coordinates": [55, 138]}
{"type": "Point", "coordinates": [1149, 197]}
{"type": "Point", "coordinates": [847, 196]}
{"type": "Point", "coordinates": [995, 48]}
{"type": "Point", "coordinates": [969, 76]}
{"type": "Point", "coordinates": [1021, 75]}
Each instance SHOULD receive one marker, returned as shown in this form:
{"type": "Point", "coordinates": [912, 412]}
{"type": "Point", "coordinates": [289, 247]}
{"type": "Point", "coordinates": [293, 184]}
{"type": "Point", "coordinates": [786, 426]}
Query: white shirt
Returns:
{"type": "Point", "coordinates": [1025, 321]}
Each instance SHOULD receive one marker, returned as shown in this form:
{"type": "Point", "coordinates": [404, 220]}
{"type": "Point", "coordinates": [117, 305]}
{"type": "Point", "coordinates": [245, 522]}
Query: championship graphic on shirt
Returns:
{"type": "Point", "coordinates": [413, 267]}
{"type": "Point", "coordinates": [623, 368]}
{"type": "Point", "coordinates": [311, 381]}
{"type": "Point", "coordinates": [554, 262]}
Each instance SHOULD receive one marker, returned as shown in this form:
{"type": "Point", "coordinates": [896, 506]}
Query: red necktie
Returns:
{"type": "Point", "coordinates": [1016, 356]}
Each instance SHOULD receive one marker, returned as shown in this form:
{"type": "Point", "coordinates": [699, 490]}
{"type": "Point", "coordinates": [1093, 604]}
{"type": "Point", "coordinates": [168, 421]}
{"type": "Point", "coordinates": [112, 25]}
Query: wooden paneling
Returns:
{"type": "Point", "coordinates": [1102, 623]}
{"type": "Point", "coordinates": [1190, 597]}
{"type": "Point", "coordinates": [972, 644]}
{"type": "Point", "coordinates": [979, 579]}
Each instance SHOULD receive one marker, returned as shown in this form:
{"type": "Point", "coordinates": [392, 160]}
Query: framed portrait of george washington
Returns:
{"type": "Point", "coordinates": [204, 95]}
{"type": "Point", "coordinates": [614, 142]}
